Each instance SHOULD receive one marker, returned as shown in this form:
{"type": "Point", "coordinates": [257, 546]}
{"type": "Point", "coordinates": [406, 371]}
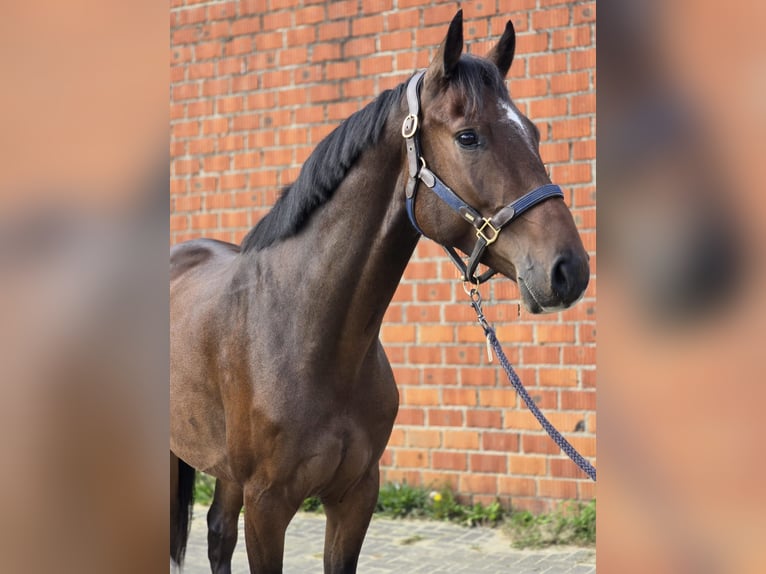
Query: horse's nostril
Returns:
{"type": "Point", "coordinates": [565, 279]}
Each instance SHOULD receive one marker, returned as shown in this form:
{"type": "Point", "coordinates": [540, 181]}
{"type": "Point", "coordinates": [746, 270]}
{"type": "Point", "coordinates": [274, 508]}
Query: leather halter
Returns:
{"type": "Point", "coordinates": [487, 229]}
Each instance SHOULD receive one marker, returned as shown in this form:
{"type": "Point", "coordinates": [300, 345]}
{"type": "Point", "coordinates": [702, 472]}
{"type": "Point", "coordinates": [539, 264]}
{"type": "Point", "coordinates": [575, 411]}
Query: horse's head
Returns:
{"type": "Point", "coordinates": [481, 146]}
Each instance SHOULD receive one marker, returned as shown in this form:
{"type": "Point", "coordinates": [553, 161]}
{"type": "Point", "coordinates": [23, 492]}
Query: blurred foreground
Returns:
{"type": "Point", "coordinates": [681, 302]}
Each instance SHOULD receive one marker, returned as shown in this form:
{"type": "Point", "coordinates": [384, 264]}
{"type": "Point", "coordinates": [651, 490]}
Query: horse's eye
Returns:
{"type": "Point", "coordinates": [468, 139]}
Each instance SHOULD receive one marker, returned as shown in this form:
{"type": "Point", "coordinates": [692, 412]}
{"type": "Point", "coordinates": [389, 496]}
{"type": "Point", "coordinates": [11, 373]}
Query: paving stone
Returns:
{"type": "Point", "coordinates": [402, 547]}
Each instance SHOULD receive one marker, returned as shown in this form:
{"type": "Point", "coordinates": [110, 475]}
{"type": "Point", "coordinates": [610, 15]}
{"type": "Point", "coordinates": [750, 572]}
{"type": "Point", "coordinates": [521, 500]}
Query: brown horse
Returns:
{"type": "Point", "coordinates": [280, 387]}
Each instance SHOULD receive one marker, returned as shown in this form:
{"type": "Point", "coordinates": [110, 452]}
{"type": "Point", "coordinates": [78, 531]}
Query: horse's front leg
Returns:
{"type": "Point", "coordinates": [268, 512]}
{"type": "Point", "coordinates": [222, 524]}
{"type": "Point", "coordinates": [347, 522]}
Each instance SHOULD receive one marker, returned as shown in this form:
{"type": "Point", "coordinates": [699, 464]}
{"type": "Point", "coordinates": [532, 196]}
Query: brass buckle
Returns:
{"type": "Point", "coordinates": [409, 126]}
{"type": "Point", "coordinates": [481, 235]}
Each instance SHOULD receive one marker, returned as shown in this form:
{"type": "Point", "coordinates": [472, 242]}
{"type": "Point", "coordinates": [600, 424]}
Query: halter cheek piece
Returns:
{"type": "Point", "coordinates": [487, 229]}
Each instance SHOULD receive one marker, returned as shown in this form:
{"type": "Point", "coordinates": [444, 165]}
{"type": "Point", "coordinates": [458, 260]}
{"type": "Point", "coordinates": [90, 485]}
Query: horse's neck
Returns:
{"type": "Point", "coordinates": [342, 270]}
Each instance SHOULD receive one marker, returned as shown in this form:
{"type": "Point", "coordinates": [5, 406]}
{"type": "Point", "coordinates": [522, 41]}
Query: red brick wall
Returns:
{"type": "Point", "coordinates": [257, 84]}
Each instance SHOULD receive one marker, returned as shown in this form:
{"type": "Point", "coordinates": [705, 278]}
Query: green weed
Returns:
{"type": "Point", "coordinates": [572, 523]}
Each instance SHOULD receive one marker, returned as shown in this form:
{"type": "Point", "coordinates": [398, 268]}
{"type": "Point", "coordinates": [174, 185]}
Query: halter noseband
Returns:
{"type": "Point", "coordinates": [487, 229]}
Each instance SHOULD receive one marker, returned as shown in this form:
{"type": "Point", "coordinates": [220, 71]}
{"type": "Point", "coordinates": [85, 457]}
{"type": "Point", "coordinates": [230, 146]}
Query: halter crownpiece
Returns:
{"type": "Point", "coordinates": [487, 229]}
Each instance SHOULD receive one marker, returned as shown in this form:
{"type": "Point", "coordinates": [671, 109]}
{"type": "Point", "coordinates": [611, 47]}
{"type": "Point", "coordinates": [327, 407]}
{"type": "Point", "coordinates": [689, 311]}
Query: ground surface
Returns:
{"type": "Point", "coordinates": [403, 547]}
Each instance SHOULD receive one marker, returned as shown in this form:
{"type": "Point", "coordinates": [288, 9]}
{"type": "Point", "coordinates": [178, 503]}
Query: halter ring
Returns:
{"type": "Point", "coordinates": [481, 235]}
{"type": "Point", "coordinates": [409, 126]}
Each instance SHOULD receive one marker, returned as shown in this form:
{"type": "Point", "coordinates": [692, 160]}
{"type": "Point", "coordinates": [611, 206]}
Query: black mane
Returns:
{"type": "Point", "coordinates": [329, 163]}
{"type": "Point", "coordinates": [323, 172]}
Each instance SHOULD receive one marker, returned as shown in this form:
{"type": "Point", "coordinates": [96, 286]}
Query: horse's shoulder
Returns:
{"type": "Point", "coordinates": [191, 254]}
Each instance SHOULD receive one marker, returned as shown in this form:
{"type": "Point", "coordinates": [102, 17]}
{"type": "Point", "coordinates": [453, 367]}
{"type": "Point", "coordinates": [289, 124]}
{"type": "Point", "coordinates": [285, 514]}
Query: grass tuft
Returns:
{"type": "Point", "coordinates": [572, 523]}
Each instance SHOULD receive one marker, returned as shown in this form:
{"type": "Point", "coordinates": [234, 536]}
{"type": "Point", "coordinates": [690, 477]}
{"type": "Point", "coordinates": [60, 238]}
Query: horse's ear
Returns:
{"type": "Point", "coordinates": [447, 56]}
{"type": "Point", "coordinates": [502, 54]}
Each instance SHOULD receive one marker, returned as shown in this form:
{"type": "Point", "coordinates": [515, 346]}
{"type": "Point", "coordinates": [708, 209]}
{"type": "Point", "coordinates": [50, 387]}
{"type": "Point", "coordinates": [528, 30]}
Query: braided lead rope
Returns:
{"type": "Point", "coordinates": [563, 443]}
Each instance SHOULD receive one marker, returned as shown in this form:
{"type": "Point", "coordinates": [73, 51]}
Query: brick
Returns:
{"type": "Point", "coordinates": [367, 25]}
{"type": "Point", "coordinates": [529, 88]}
{"type": "Point", "coordinates": [188, 203]}
{"type": "Point", "coordinates": [488, 463]}
{"type": "Point", "coordinates": [497, 397]}
{"type": "Point", "coordinates": [531, 43]}
{"type": "Point", "coordinates": [558, 489]}
{"type": "Point", "coordinates": [398, 333]}
{"type": "Point", "coordinates": [402, 19]}
{"type": "Point", "coordinates": [417, 396]}
{"type": "Point", "coordinates": [449, 460]}
{"type": "Point", "coordinates": [500, 441]}
{"type": "Point", "coordinates": [547, 64]}
{"type": "Point", "coordinates": [435, 334]}
{"type": "Point", "coordinates": [528, 465]}
{"type": "Point", "coordinates": [463, 355]}
{"type": "Point", "coordinates": [235, 219]}
{"type": "Point", "coordinates": [571, 38]}
{"type": "Point", "coordinates": [398, 40]}
{"type": "Point", "coordinates": [424, 438]}
{"type": "Point", "coordinates": [333, 30]}
{"type": "Point", "coordinates": [572, 173]}
{"type": "Point", "coordinates": [576, 82]}
{"type": "Point", "coordinates": [515, 486]}
{"type": "Point", "coordinates": [324, 93]}
{"type": "Point", "coordinates": [460, 439]}
{"type": "Point", "coordinates": [558, 377]}
{"type": "Point", "coordinates": [438, 14]}
{"type": "Point", "coordinates": [376, 65]}
{"type": "Point", "coordinates": [585, 445]}
{"type": "Point", "coordinates": [213, 30]}
{"type": "Point", "coordinates": [584, 150]}
{"type": "Point", "coordinates": [484, 418]}
{"type": "Point", "coordinates": [554, 18]}
{"type": "Point", "coordinates": [342, 10]}
{"type": "Point", "coordinates": [185, 166]}
{"type": "Point", "coordinates": [253, 6]}
{"type": "Point", "coordinates": [583, 104]}
{"type": "Point", "coordinates": [434, 292]}
{"type": "Point", "coordinates": [407, 375]}
{"type": "Point", "coordinates": [217, 163]}
{"type": "Point", "coordinates": [548, 108]}
{"type": "Point", "coordinates": [445, 417]}
{"type": "Point", "coordinates": [222, 11]}
{"type": "Point", "coordinates": [408, 458]}
{"type": "Point", "coordinates": [520, 419]}
{"type": "Point", "coordinates": [462, 397]}
{"type": "Point", "coordinates": [373, 6]}
{"type": "Point", "coordinates": [580, 355]}
{"type": "Point", "coordinates": [429, 37]}
{"type": "Point", "coordinates": [204, 221]}
{"type": "Point", "coordinates": [440, 376]}
{"type": "Point", "coordinates": [218, 201]}
{"type": "Point", "coordinates": [538, 444]}
{"type": "Point", "coordinates": [179, 222]}
{"type": "Point", "coordinates": [185, 129]}
{"type": "Point", "coordinates": [358, 47]}
{"type": "Point", "coordinates": [585, 13]}
{"type": "Point", "coordinates": [578, 400]}
{"type": "Point", "coordinates": [583, 59]}
{"type": "Point", "coordinates": [242, 26]}
{"type": "Point", "coordinates": [478, 483]}
{"type": "Point", "coordinates": [215, 87]}
{"type": "Point", "coordinates": [208, 50]}
{"type": "Point", "coordinates": [410, 416]}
